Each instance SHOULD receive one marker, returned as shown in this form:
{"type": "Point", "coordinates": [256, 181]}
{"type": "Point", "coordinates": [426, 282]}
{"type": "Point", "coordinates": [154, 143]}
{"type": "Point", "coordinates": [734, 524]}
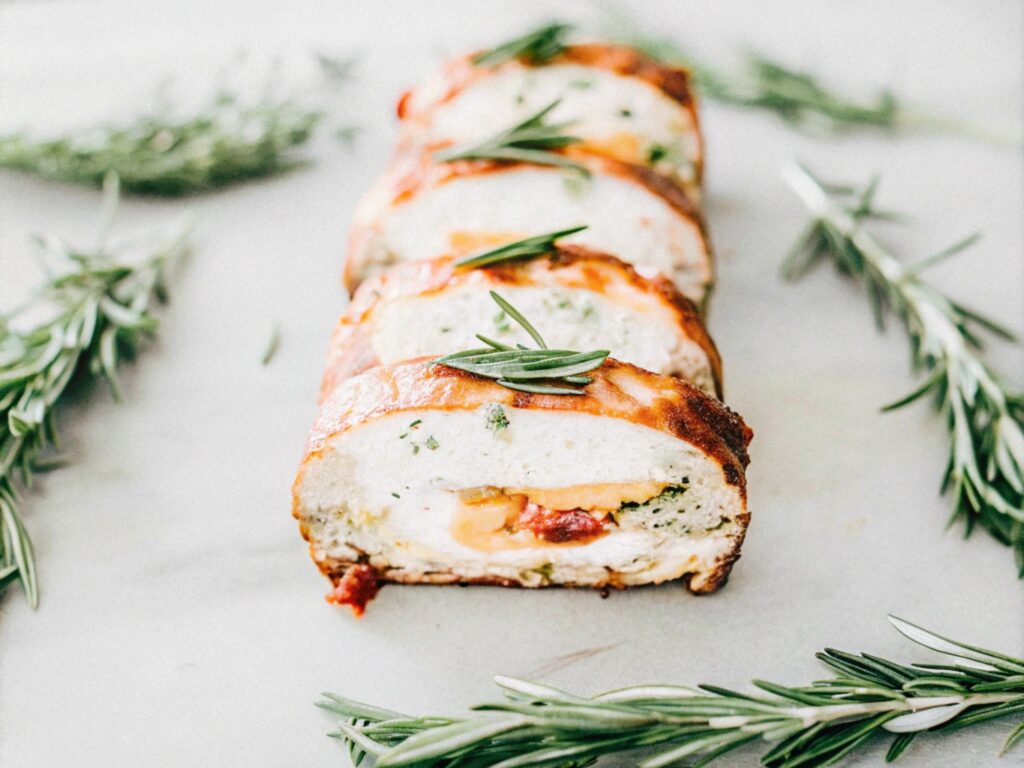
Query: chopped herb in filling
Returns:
{"type": "Point", "coordinates": [497, 419]}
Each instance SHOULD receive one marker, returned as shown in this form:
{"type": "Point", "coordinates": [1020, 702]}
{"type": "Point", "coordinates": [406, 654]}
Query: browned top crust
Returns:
{"type": "Point", "coordinates": [618, 390]}
{"type": "Point", "coordinates": [460, 73]}
{"type": "Point", "coordinates": [572, 266]}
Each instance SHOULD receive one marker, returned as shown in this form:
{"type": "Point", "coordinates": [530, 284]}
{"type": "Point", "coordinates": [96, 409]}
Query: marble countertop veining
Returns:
{"type": "Point", "coordinates": [181, 622]}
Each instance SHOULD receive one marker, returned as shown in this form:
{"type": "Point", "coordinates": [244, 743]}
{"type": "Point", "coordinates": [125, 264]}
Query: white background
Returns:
{"type": "Point", "coordinates": [181, 622]}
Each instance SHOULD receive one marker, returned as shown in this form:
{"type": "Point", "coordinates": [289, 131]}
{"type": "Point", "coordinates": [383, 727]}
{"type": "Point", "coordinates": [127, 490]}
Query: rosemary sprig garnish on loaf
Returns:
{"type": "Point", "coordinates": [669, 725]}
{"type": "Point", "coordinates": [984, 416]}
{"type": "Point", "coordinates": [531, 141]}
{"type": "Point", "coordinates": [97, 307]}
{"type": "Point", "coordinates": [540, 245]}
{"type": "Point", "coordinates": [541, 371]}
{"type": "Point", "coordinates": [536, 47]}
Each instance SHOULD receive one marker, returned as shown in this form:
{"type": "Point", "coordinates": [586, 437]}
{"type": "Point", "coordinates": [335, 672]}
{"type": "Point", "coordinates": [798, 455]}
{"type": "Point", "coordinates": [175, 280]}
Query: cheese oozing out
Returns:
{"type": "Point", "coordinates": [624, 117]}
{"type": "Point", "coordinates": [639, 328]}
{"type": "Point", "coordinates": [622, 217]}
{"type": "Point", "coordinates": [430, 494]}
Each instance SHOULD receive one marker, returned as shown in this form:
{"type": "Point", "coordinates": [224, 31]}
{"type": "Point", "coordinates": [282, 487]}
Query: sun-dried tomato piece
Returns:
{"type": "Point", "coordinates": [560, 526]}
{"type": "Point", "coordinates": [357, 587]}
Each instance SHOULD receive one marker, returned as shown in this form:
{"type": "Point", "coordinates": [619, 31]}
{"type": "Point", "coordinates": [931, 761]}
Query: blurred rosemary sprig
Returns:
{"type": "Point", "coordinates": [168, 153]}
{"type": "Point", "coordinates": [813, 725]}
{"type": "Point", "coordinates": [796, 96]}
{"type": "Point", "coordinates": [160, 154]}
{"type": "Point", "coordinates": [541, 371]}
{"type": "Point", "coordinates": [539, 245]}
{"type": "Point", "coordinates": [98, 309]}
{"type": "Point", "coordinates": [985, 418]}
{"type": "Point", "coordinates": [531, 141]}
{"type": "Point", "coordinates": [537, 46]}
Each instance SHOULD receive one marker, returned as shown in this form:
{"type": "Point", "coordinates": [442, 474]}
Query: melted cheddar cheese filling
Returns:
{"type": "Point", "coordinates": [489, 519]}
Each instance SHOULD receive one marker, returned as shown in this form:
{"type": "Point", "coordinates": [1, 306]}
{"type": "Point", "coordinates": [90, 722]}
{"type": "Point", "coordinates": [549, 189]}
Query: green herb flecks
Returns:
{"type": "Point", "coordinates": [496, 418]}
{"type": "Point", "coordinates": [531, 141]}
{"type": "Point", "coordinates": [535, 47]}
{"type": "Point", "coordinates": [97, 303]}
{"type": "Point", "coordinates": [539, 245]}
{"type": "Point", "coordinates": [669, 725]}
{"type": "Point", "coordinates": [985, 419]}
{"type": "Point", "coordinates": [540, 371]}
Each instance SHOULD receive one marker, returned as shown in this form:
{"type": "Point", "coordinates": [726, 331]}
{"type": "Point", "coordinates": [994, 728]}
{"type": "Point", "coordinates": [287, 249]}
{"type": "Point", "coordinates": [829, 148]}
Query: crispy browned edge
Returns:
{"type": "Point", "coordinates": [674, 82]}
{"type": "Point", "coordinates": [415, 172]}
{"type": "Point", "coordinates": [351, 352]}
{"type": "Point", "coordinates": [683, 411]}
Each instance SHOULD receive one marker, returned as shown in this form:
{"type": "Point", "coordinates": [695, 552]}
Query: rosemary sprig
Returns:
{"type": "Point", "coordinates": [541, 371]}
{"type": "Point", "coordinates": [813, 725]}
{"type": "Point", "coordinates": [531, 141]}
{"type": "Point", "coordinates": [521, 249]}
{"type": "Point", "coordinates": [536, 47]}
{"type": "Point", "coordinates": [985, 471]}
{"type": "Point", "coordinates": [228, 140]}
{"type": "Point", "coordinates": [796, 96]}
{"type": "Point", "coordinates": [99, 311]}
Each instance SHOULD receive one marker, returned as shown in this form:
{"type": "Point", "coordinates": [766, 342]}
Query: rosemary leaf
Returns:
{"type": "Point", "coordinates": [540, 371]}
{"type": "Point", "coordinates": [539, 389]}
{"type": "Point", "coordinates": [98, 310]}
{"type": "Point", "coordinates": [985, 470]}
{"type": "Point", "coordinates": [818, 724]}
{"type": "Point", "coordinates": [515, 315]}
{"type": "Point", "coordinates": [539, 245]}
{"type": "Point", "coordinates": [536, 47]}
{"type": "Point", "coordinates": [272, 345]}
{"type": "Point", "coordinates": [531, 141]}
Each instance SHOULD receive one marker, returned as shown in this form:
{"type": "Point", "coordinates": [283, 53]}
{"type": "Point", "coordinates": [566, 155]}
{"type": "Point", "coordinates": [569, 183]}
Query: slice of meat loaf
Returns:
{"type": "Point", "coordinates": [620, 102]}
{"type": "Point", "coordinates": [588, 300]}
{"type": "Point", "coordinates": [421, 473]}
{"type": "Point", "coordinates": [422, 209]}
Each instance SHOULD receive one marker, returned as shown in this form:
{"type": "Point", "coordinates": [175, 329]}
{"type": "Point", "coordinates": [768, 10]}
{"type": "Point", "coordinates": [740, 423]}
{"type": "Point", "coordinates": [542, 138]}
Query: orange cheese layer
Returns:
{"type": "Point", "coordinates": [463, 242]}
{"type": "Point", "coordinates": [621, 146]}
{"type": "Point", "coordinates": [488, 519]}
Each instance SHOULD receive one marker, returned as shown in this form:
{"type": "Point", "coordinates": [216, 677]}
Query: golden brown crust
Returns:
{"type": "Point", "coordinates": [673, 82]}
{"type": "Point", "coordinates": [618, 390]}
{"type": "Point", "coordinates": [414, 172]}
{"type": "Point", "coordinates": [572, 266]}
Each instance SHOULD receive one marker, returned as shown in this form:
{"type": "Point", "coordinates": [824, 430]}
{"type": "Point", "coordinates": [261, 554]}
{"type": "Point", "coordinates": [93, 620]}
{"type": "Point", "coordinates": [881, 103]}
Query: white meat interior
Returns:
{"type": "Point", "coordinates": [643, 333]}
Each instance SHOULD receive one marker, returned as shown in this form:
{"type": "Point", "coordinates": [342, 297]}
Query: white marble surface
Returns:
{"type": "Point", "coordinates": [181, 622]}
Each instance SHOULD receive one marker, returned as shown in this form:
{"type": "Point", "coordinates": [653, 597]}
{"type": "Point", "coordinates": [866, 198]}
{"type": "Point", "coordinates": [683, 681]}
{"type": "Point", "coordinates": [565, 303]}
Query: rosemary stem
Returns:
{"type": "Point", "coordinates": [1002, 135]}
{"type": "Point", "coordinates": [13, 451]}
{"type": "Point", "coordinates": [987, 435]}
